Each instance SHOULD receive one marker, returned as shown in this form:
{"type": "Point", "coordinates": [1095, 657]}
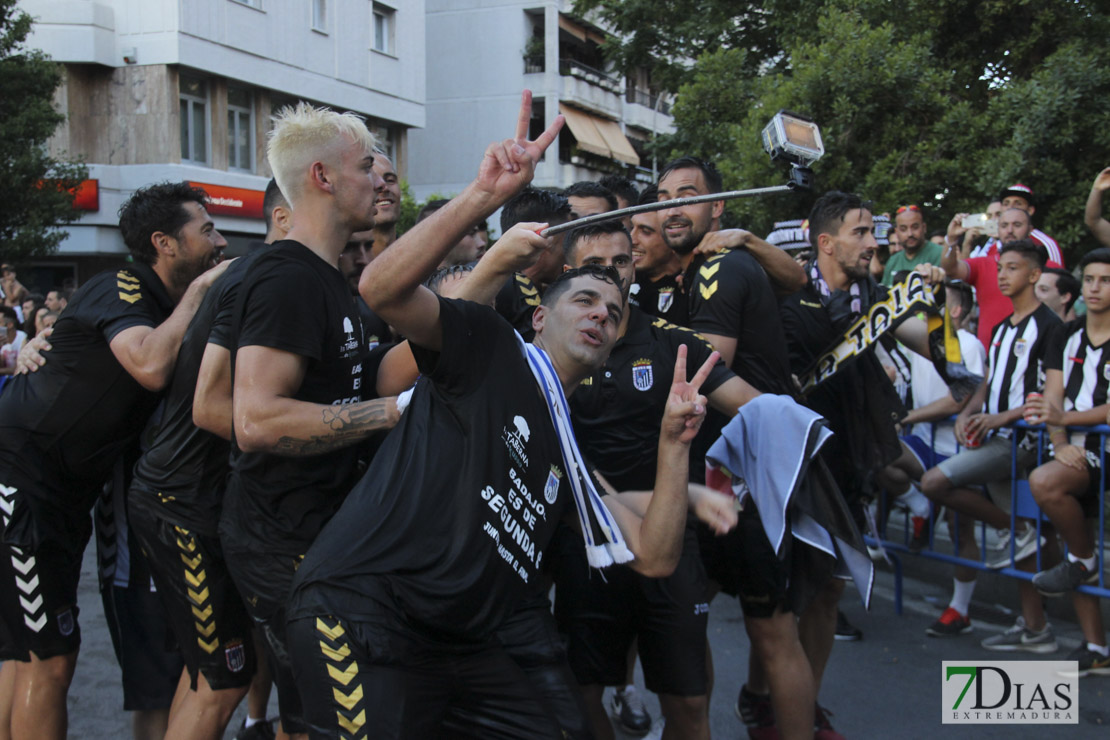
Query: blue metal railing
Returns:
{"type": "Point", "coordinates": [1021, 506]}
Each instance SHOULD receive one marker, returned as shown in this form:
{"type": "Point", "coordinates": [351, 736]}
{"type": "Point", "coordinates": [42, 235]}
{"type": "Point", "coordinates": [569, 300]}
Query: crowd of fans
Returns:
{"type": "Point", "coordinates": [290, 447]}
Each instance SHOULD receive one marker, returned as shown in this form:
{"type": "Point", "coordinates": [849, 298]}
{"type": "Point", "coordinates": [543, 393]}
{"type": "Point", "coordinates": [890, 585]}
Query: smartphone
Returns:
{"type": "Point", "coordinates": [982, 222]}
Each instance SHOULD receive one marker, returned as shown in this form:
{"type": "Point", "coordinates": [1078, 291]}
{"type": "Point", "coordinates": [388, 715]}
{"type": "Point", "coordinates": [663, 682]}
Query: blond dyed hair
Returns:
{"type": "Point", "coordinates": [304, 134]}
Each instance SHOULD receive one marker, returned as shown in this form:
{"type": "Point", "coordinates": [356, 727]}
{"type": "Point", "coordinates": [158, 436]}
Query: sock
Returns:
{"type": "Point", "coordinates": [1103, 650]}
{"type": "Point", "coordinates": [916, 500]}
{"type": "Point", "coordinates": [251, 721]}
{"type": "Point", "coordinates": [1088, 563]}
{"type": "Point", "coordinates": [961, 595]}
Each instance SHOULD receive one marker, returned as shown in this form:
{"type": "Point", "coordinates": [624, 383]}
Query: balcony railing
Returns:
{"type": "Point", "coordinates": [533, 64]}
{"type": "Point", "coordinates": [574, 68]}
{"type": "Point", "coordinates": [643, 97]}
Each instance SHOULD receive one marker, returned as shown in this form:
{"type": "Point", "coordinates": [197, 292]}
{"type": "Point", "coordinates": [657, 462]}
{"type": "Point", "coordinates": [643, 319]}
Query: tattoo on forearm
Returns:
{"type": "Point", "coordinates": [349, 424]}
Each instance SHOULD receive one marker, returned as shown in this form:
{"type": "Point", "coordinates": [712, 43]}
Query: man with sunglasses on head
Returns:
{"type": "Point", "coordinates": [909, 223]}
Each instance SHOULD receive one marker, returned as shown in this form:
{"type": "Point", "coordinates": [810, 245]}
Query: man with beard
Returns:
{"type": "Point", "coordinates": [909, 222]}
{"type": "Point", "coordinates": [616, 413]}
{"type": "Point", "coordinates": [733, 305]}
{"type": "Point", "coordinates": [65, 426]}
{"type": "Point", "coordinates": [859, 401]}
{"type": "Point", "coordinates": [297, 367]}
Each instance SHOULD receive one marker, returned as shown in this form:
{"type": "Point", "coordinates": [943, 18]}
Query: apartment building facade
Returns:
{"type": "Point", "coordinates": [171, 90]}
{"type": "Point", "coordinates": [482, 53]}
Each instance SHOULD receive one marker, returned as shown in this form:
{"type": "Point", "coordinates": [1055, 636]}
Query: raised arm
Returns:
{"type": "Point", "coordinates": [391, 284]}
{"type": "Point", "coordinates": [148, 354]}
{"type": "Point", "coordinates": [656, 539]}
{"type": "Point", "coordinates": [1092, 214]}
{"type": "Point", "coordinates": [786, 275]}
{"type": "Point", "coordinates": [950, 262]}
{"type": "Point", "coordinates": [212, 398]}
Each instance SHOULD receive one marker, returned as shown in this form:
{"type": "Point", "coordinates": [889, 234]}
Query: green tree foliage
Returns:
{"type": "Point", "coordinates": [939, 103]}
{"type": "Point", "coordinates": [35, 190]}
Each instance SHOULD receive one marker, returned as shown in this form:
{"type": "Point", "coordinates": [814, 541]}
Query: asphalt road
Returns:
{"type": "Point", "coordinates": [887, 685]}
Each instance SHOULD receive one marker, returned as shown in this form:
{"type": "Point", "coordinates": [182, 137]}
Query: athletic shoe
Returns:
{"type": "Point", "coordinates": [757, 714]}
{"type": "Point", "coordinates": [263, 730]}
{"type": "Point", "coordinates": [1025, 545]}
{"type": "Point", "coordinates": [630, 711]}
{"type": "Point", "coordinates": [950, 624]}
{"type": "Point", "coordinates": [1063, 578]}
{"type": "Point", "coordinates": [1089, 662]}
{"type": "Point", "coordinates": [845, 630]}
{"type": "Point", "coordinates": [822, 728]}
{"type": "Point", "coordinates": [1020, 637]}
{"type": "Point", "coordinates": [920, 539]}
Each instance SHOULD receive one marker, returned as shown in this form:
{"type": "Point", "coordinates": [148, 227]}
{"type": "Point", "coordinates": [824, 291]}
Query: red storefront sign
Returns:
{"type": "Point", "coordinates": [228, 201]}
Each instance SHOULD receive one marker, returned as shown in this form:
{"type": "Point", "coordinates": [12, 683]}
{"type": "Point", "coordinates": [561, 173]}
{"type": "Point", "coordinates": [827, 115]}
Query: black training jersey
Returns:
{"type": "Point", "coordinates": [730, 295]}
{"type": "Point", "coordinates": [516, 302]}
{"type": "Point", "coordinates": [180, 476]}
{"type": "Point", "coordinates": [662, 298]}
{"type": "Point", "coordinates": [374, 327]}
{"type": "Point", "coordinates": [1086, 370]}
{"type": "Point", "coordinates": [1016, 359]}
{"type": "Point", "coordinates": [69, 421]}
{"type": "Point", "coordinates": [617, 410]}
{"type": "Point", "coordinates": [450, 522]}
{"type": "Point", "coordinates": [280, 502]}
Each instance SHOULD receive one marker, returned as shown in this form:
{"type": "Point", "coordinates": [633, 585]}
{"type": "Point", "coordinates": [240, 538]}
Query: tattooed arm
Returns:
{"type": "Point", "coordinates": [268, 419]}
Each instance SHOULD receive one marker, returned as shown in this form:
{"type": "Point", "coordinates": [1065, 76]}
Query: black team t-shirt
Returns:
{"type": "Point", "coordinates": [663, 298]}
{"type": "Point", "coordinates": [617, 410]}
{"type": "Point", "coordinates": [517, 301]}
{"type": "Point", "coordinates": [65, 425]}
{"type": "Point", "coordinates": [449, 524]}
{"type": "Point", "coordinates": [291, 300]}
{"type": "Point", "coordinates": [730, 295]}
{"type": "Point", "coordinates": [180, 477]}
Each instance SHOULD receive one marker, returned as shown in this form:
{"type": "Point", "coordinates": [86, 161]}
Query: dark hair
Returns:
{"type": "Point", "coordinates": [1035, 253]}
{"type": "Point", "coordinates": [7, 312]}
{"type": "Point", "coordinates": [1068, 283]}
{"type": "Point", "coordinates": [436, 278]}
{"type": "Point", "coordinates": [827, 214]}
{"type": "Point", "coordinates": [35, 297]}
{"type": "Point", "coordinates": [592, 231]}
{"type": "Point", "coordinates": [587, 189]}
{"type": "Point", "coordinates": [430, 207]}
{"type": "Point", "coordinates": [622, 187]}
{"type": "Point", "coordinates": [561, 284]}
{"type": "Point", "coordinates": [708, 170]}
{"type": "Point", "coordinates": [650, 195]}
{"type": "Point", "coordinates": [63, 293]}
{"type": "Point", "coordinates": [966, 295]}
{"type": "Point", "coordinates": [153, 209]}
{"type": "Point", "coordinates": [271, 200]}
{"type": "Point", "coordinates": [534, 206]}
{"type": "Point", "coordinates": [1102, 254]}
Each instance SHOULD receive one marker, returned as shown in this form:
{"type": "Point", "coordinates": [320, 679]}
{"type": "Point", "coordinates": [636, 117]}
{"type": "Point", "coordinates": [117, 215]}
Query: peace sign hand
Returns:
{"type": "Point", "coordinates": [509, 165]}
{"type": "Point", "coordinates": [685, 405]}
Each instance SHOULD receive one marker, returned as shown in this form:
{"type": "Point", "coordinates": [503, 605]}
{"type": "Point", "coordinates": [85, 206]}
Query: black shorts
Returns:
{"type": "Point", "coordinates": [38, 578]}
{"type": "Point", "coordinates": [602, 612]}
{"type": "Point", "coordinates": [145, 647]}
{"type": "Point", "coordinates": [746, 566]}
{"type": "Point", "coordinates": [202, 605]}
{"type": "Point", "coordinates": [384, 680]}
{"type": "Point", "coordinates": [264, 581]}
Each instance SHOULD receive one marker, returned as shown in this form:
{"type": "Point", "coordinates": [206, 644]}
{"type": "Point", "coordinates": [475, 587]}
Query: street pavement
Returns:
{"type": "Point", "coordinates": [888, 685]}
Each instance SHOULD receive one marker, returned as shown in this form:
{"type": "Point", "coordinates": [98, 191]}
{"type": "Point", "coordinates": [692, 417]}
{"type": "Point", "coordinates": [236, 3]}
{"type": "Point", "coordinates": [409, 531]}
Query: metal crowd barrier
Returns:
{"type": "Point", "coordinates": [1022, 505]}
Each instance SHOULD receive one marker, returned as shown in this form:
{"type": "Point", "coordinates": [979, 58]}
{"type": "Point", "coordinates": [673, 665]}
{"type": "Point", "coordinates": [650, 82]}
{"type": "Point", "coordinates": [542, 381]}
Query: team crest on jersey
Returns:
{"type": "Point", "coordinates": [642, 375]}
{"type": "Point", "coordinates": [666, 298]}
{"type": "Point", "coordinates": [66, 625]}
{"type": "Point", "coordinates": [235, 656]}
{"type": "Point", "coordinates": [551, 488]}
{"type": "Point", "coordinates": [1020, 347]}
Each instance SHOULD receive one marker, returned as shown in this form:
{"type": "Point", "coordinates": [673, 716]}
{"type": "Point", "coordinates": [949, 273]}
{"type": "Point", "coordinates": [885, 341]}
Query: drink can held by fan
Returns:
{"type": "Point", "coordinates": [1030, 416]}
